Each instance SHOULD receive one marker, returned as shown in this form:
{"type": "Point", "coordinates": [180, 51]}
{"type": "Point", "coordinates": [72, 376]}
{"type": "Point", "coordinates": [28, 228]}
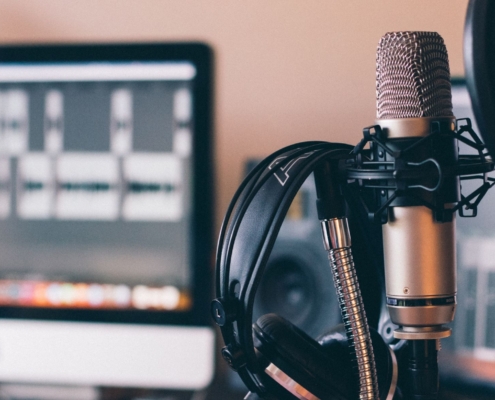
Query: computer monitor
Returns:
{"type": "Point", "coordinates": [106, 215]}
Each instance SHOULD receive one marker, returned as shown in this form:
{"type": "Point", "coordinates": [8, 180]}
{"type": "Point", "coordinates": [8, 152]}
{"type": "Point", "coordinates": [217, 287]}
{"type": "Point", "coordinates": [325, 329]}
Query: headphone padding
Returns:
{"type": "Point", "coordinates": [300, 357]}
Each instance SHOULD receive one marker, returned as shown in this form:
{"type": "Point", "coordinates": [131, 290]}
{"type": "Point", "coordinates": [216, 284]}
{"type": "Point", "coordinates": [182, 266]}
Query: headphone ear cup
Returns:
{"type": "Point", "coordinates": [301, 358]}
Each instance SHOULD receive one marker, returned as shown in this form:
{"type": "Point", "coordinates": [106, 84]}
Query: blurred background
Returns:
{"type": "Point", "coordinates": [285, 70]}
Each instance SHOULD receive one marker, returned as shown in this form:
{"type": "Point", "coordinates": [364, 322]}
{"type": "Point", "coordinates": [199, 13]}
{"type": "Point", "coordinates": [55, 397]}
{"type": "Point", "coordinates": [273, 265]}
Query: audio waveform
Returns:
{"type": "Point", "coordinates": [135, 187]}
{"type": "Point", "coordinates": [86, 186]}
{"type": "Point", "coordinates": [33, 185]}
{"type": "Point", "coordinates": [143, 187]}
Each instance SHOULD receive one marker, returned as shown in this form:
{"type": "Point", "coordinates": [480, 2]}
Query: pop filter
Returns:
{"type": "Point", "coordinates": [479, 61]}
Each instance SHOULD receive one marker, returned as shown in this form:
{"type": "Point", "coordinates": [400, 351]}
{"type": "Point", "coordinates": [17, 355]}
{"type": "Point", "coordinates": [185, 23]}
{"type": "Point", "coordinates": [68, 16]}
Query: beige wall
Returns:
{"type": "Point", "coordinates": [287, 70]}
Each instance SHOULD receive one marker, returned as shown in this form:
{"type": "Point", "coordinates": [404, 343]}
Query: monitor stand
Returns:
{"type": "Point", "coordinates": [47, 392]}
{"type": "Point", "coordinates": [64, 392]}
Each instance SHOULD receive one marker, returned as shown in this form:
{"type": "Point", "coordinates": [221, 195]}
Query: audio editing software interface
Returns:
{"type": "Point", "coordinates": [95, 186]}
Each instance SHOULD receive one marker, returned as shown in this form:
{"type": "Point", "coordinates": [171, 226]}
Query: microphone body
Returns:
{"type": "Point", "coordinates": [414, 102]}
{"type": "Point", "coordinates": [417, 129]}
{"type": "Point", "coordinates": [419, 251]}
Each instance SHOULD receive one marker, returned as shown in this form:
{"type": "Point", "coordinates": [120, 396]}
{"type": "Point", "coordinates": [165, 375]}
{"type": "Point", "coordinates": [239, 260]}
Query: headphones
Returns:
{"type": "Point", "coordinates": [275, 359]}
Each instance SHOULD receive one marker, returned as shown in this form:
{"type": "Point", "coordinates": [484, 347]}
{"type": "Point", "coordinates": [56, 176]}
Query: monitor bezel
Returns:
{"type": "Point", "coordinates": [201, 56]}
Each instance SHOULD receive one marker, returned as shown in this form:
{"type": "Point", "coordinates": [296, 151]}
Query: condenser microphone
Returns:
{"type": "Point", "coordinates": [413, 170]}
{"type": "Point", "coordinates": [414, 110]}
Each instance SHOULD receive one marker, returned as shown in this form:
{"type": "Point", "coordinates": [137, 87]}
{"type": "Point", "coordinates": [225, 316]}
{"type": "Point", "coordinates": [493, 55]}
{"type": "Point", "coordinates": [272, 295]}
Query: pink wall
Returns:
{"type": "Point", "coordinates": [287, 70]}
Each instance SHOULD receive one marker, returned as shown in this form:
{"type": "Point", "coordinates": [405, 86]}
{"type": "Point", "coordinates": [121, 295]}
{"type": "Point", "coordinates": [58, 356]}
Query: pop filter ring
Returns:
{"type": "Point", "coordinates": [479, 62]}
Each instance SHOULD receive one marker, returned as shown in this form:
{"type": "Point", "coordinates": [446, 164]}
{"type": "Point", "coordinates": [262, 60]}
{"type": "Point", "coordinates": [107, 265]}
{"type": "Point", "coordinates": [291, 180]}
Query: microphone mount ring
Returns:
{"type": "Point", "coordinates": [397, 181]}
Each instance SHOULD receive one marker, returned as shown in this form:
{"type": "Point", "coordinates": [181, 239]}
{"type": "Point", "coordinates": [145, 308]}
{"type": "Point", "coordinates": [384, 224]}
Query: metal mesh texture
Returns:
{"type": "Point", "coordinates": [412, 76]}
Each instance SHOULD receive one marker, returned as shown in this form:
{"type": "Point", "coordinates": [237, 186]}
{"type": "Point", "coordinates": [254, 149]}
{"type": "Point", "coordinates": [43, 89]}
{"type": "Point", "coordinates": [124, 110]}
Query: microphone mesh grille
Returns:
{"type": "Point", "coordinates": [412, 76]}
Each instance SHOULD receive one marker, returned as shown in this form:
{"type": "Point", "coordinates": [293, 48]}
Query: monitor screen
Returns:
{"type": "Point", "coordinates": [105, 213]}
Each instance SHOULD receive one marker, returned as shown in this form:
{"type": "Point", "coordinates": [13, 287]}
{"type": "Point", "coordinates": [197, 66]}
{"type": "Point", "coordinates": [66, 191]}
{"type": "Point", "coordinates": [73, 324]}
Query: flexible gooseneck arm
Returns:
{"type": "Point", "coordinates": [337, 241]}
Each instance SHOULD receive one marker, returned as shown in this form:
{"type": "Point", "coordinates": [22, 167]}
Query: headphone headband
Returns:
{"type": "Point", "coordinates": [248, 234]}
